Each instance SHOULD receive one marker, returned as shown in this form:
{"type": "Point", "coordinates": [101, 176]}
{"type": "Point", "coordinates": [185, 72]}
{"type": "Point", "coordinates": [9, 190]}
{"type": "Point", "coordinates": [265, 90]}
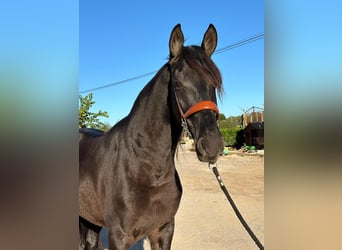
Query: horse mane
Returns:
{"type": "Point", "coordinates": [199, 61]}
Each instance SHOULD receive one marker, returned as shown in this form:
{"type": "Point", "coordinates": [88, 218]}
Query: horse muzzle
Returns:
{"type": "Point", "coordinates": [209, 148]}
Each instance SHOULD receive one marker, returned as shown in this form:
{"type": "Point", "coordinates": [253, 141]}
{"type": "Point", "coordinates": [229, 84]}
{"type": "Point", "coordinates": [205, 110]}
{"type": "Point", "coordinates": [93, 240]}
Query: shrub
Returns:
{"type": "Point", "coordinates": [231, 136]}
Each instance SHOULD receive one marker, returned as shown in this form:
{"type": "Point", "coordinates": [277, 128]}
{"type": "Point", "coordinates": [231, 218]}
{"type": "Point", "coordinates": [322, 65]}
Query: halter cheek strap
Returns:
{"type": "Point", "coordinates": [202, 105]}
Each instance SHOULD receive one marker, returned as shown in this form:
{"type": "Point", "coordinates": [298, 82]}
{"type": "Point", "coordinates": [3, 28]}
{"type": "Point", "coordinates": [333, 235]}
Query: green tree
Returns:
{"type": "Point", "coordinates": [222, 116]}
{"type": "Point", "coordinates": [230, 136]}
{"type": "Point", "coordinates": [230, 122]}
{"type": "Point", "coordinates": [88, 119]}
{"type": "Point", "coordinates": [231, 131]}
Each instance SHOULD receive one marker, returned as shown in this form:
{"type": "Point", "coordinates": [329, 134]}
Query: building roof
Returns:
{"type": "Point", "coordinates": [256, 125]}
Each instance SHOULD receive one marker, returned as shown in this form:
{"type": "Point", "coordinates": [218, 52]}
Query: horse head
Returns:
{"type": "Point", "coordinates": [194, 82]}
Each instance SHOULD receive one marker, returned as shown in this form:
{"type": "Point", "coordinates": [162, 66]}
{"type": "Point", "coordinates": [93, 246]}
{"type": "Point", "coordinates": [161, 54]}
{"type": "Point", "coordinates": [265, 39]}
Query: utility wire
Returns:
{"type": "Point", "coordinates": [240, 43]}
{"type": "Point", "coordinates": [221, 50]}
{"type": "Point", "coordinates": [119, 82]}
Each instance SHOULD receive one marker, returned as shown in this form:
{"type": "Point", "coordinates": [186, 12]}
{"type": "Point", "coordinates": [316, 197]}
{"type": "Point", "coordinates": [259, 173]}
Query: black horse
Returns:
{"type": "Point", "coordinates": [128, 181]}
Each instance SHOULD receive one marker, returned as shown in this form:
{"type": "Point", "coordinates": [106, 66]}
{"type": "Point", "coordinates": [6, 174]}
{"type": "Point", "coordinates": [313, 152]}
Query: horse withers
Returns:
{"type": "Point", "coordinates": [127, 176]}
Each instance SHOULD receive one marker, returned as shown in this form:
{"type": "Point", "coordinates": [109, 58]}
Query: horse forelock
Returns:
{"type": "Point", "coordinates": [196, 58]}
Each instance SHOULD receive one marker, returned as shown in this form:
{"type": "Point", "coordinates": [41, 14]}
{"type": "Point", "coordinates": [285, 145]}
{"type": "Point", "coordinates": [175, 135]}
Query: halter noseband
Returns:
{"type": "Point", "coordinates": [202, 105]}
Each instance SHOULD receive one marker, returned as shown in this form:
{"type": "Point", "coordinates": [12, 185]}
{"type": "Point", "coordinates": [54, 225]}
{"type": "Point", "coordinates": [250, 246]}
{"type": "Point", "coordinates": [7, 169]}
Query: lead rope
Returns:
{"type": "Point", "coordinates": [236, 210]}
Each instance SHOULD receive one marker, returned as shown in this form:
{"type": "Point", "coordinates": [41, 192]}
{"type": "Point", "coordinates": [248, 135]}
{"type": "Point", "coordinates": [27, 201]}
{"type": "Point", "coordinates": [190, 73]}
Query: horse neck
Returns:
{"type": "Point", "coordinates": [151, 124]}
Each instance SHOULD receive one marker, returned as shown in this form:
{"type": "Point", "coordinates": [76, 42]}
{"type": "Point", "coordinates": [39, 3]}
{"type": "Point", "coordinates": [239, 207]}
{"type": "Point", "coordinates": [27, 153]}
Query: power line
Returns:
{"type": "Point", "coordinates": [119, 82]}
{"type": "Point", "coordinates": [240, 43]}
{"type": "Point", "coordinates": [221, 50]}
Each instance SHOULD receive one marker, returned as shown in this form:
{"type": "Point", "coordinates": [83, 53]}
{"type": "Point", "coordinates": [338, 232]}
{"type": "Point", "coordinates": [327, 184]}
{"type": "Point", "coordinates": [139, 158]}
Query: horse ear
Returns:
{"type": "Point", "coordinates": [209, 40]}
{"type": "Point", "coordinates": [176, 41]}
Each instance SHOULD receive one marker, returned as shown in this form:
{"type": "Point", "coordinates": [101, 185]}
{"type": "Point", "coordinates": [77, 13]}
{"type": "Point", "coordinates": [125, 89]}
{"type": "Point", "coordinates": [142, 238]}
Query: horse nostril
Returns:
{"type": "Point", "coordinates": [202, 150]}
{"type": "Point", "coordinates": [208, 149]}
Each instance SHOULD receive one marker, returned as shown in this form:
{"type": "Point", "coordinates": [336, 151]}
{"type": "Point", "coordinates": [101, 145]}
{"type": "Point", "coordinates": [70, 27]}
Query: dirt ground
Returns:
{"type": "Point", "coordinates": [205, 219]}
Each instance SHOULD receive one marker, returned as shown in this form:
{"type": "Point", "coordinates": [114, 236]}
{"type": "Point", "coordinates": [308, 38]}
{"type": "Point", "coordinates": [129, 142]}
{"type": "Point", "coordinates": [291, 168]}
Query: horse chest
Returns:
{"type": "Point", "coordinates": [147, 194]}
{"type": "Point", "coordinates": [158, 201]}
{"type": "Point", "coordinates": [151, 208]}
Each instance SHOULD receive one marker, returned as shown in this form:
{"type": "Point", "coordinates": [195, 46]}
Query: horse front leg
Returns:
{"type": "Point", "coordinates": [118, 239]}
{"type": "Point", "coordinates": [89, 236]}
{"type": "Point", "coordinates": [160, 239]}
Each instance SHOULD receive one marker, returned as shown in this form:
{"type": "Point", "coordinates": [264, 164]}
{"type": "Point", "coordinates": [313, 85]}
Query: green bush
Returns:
{"type": "Point", "coordinates": [231, 136]}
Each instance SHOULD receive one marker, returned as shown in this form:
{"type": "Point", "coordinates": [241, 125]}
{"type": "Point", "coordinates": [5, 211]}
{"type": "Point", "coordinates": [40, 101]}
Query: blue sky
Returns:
{"type": "Point", "coordinates": [123, 39]}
